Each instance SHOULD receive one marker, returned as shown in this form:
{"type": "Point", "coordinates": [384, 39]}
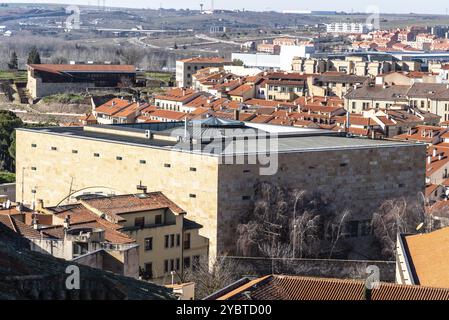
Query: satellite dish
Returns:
{"type": "Point", "coordinates": [419, 227]}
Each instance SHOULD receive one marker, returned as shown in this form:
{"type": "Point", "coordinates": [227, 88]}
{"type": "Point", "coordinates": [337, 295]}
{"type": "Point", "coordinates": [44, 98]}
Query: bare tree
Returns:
{"type": "Point", "coordinates": [210, 276]}
{"type": "Point", "coordinates": [295, 219]}
{"type": "Point", "coordinates": [398, 216]}
{"type": "Point", "coordinates": [336, 228]}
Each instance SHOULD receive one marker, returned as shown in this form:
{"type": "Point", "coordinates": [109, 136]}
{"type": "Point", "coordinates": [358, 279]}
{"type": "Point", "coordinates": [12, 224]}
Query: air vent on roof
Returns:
{"type": "Point", "coordinates": [142, 195]}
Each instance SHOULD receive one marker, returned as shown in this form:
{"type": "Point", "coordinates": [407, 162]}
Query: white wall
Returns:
{"type": "Point", "coordinates": [258, 60]}
{"type": "Point", "coordinates": [289, 52]}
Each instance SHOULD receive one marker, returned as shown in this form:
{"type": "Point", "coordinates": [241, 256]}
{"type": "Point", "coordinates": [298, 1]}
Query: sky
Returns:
{"type": "Point", "coordinates": [385, 6]}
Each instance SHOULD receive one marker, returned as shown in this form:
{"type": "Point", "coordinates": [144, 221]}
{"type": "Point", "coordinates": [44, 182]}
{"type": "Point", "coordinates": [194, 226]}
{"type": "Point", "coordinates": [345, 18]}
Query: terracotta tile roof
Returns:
{"type": "Point", "coordinates": [246, 116]}
{"type": "Point", "coordinates": [429, 255]}
{"type": "Point", "coordinates": [80, 216]}
{"type": "Point", "coordinates": [200, 101]}
{"type": "Point", "coordinates": [122, 204]}
{"type": "Point", "coordinates": [68, 68]}
{"type": "Point", "coordinates": [113, 106]}
{"type": "Point", "coordinates": [133, 108]}
{"type": "Point", "coordinates": [441, 158]}
{"type": "Point", "coordinates": [279, 287]}
{"type": "Point", "coordinates": [178, 94]}
{"type": "Point", "coordinates": [168, 114]}
{"type": "Point", "coordinates": [262, 118]}
{"type": "Point", "coordinates": [19, 227]}
{"type": "Point", "coordinates": [356, 120]}
{"type": "Point", "coordinates": [241, 90]}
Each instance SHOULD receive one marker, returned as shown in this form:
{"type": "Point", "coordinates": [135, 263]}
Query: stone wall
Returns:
{"type": "Point", "coordinates": [355, 179]}
{"type": "Point", "coordinates": [341, 269]}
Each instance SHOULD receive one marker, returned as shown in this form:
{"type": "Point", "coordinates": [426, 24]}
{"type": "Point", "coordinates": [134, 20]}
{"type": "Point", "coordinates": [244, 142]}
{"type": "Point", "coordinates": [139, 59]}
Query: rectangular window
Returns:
{"type": "Point", "coordinates": [165, 266]}
{"type": "Point", "coordinates": [119, 158]}
{"type": "Point", "coordinates": [167, 165]}
{"type": "Point", "coordinates": [75, 151]}
{"type": "Point", "coordinates": [365, 228]}
{"type": "Point", "coordinates": [172, 265]}
{"type": "Point", "coordinates": [187, 262]}
{"type": "Point", "coordinates": [187, 241]}
{"type": "Point", "coordinates": [167, 238]}
{"type": "Point", "coordinates": [192, 169]}
{"type": "Point", "coordinates": [178, 240]}
{"type": "Point", "coordinates": [172, 240]}
{"type": "Point", "coordinates": [139, 222]}
{"type": "Point", "coordinates": [192, 195]}
{"type": "Point", "coordinates": [178, 263]}
{"type": "Point", "coordinates": [158, 219]}
{"type": "Point", "coordinates": [149, 244]}
{"type": "Point", "coordinates": [54, 148]}
{"type": "Point", "coordinates": [353, 229]}
{"type": "Point", "coordinates": [142, 162]}
{"type": "Point", "coordinates": [246, 197]}
{"type": "Point", "coordinates": [196, 261]}
{"type": "Point", "coordinates": [33, 145]}
{"type": "Point", "coordinates": [33, 168]}
{"type": "Point", "coordinates": [149, 270]}
{"type": "Point", "coordinates": [96, 155]}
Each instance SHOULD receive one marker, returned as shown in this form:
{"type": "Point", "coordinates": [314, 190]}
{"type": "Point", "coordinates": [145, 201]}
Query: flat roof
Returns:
{"type": "Point", "coordinates": [218, 141]}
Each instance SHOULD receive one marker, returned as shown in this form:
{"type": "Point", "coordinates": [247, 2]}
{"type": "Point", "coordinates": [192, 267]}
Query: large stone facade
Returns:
{"type": "Point", "coordinates": [213, 194]}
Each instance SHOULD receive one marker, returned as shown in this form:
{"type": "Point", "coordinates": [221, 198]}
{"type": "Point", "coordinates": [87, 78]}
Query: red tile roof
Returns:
{"type": "Point", "coordinates": [178, 94]}
{"type": "Point", "coordinates": [429, 256]}
{"type": "Point", "coordinates": [62, 68]}
{"type": "Point", "coordinates": [122, 204]}
{"type": "Point", "coordinates": [168, 114]}
{"type": "Point", "coordinates": [279, 287]}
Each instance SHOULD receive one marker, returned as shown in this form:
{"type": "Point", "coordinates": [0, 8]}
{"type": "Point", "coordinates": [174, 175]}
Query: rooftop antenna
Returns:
{"type": "Point", "coordinates": [201, 6]}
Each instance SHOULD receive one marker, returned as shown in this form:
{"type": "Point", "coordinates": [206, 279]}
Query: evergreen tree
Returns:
{"type": "Point", "coordinates": [13, 62]}
{"type": "Point", "coordinates": [34, 57]}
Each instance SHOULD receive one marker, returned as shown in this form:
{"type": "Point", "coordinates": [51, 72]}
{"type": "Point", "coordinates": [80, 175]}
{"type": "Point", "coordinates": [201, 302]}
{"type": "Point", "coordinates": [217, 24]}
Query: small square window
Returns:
{"type": "Point", "coordinates": [33, 145]}
{"type": "Point", "coordinates": [119, 158]}
{"type": "Point", "coordinates": [96, 155]}
{"type": "Point", "coordinates": [192, 195]}
{"type": "Point", "coordinates": [75, 151]}
{"type": "Point", "coordinates": [167, 165]}
{"type": "Point", "coordinates": [33, 168]}
{"type": "Point", "coordinates": [54, 148]}
{"type": "Point", "coordinates": [142, 162]}
{"type": "Point", "coordinates": [192, 169]}
{"type": "Point", "coordinates": [246, 198]}
{"type": "Point", "coordinates": [158, 219]}
{"type": "Point", "coordinates": [33, 191]}
{"type": "Point", "coordinates": [139, 222]}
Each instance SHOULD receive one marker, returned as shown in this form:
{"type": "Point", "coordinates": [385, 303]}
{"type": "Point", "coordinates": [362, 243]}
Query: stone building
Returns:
{"type": "Point", "coordinates": [49, 79]}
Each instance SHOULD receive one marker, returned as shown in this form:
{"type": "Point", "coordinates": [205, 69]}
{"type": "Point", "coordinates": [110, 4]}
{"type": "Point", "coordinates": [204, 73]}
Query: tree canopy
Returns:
{"type": "Point", "coordinates": [8, 123]}
{"type": "Point", "coordinates": [34, 56]}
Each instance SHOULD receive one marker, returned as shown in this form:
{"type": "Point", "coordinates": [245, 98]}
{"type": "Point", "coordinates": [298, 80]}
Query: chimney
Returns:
{"type": "Point", "coordinates": [429, 159]}
{"type": "Point", "coordinates": [66, 223]}
{"type": "Point", "coordinates": [237, 114]}
{"type": "Point", "coordinates": [440, 157]}
{"type": "Point", "coordinates": [34, 221]}
{"type": "Point", "coordinates": [142, 188]}
{"type": "Point", "coordinates": [183, 91]}
{"type": "Point", "coordinates": [39, 205]}
{"type": "Point", "coordinates": [434, 153]}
